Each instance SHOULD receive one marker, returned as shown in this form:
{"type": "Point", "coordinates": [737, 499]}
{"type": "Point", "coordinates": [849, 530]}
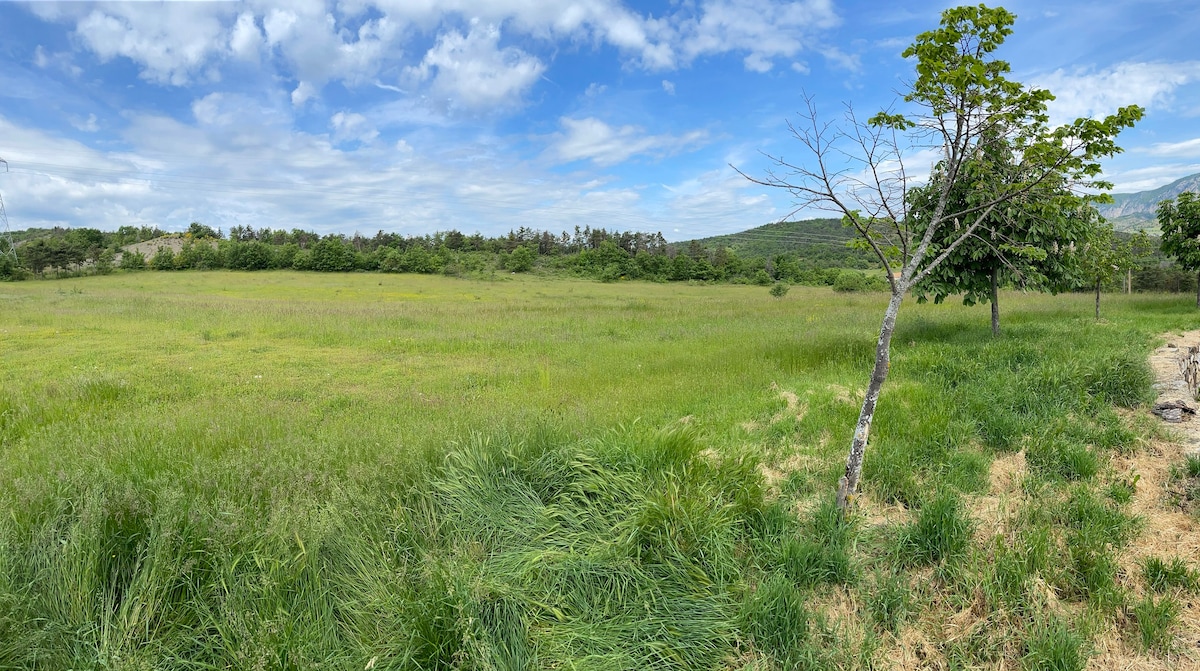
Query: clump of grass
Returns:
{"type": "Point", "coordinates": [889, 602]}
{"type": "Point", "coordinates": [1096, 529]}
{"type": "Point", "coordinates": [1122, 489]}
{"type": "Point", "coordinates": [822, 552]}
{"type": "Point", "coordinates": [1155, 620]}
{"type": "Point", "coordinates": [1191, 466]}
{"type": "Point", "coordinates": [1161, 576]}
{"type": "Point", "coordinates": [1052, 645]}
{"type": "Point", "coordinates": [942, 530]}
{"type": "Point", "coordinates": [1063, 459]}
{"type": "Point", "coordinates": [1122, 381]}
{"type": "Point", "coordinates": [1013, 566]}
{"type": "Point", "coordinates": [1184, 483]}
{"type": "Point", "coordinates": [776, 619]}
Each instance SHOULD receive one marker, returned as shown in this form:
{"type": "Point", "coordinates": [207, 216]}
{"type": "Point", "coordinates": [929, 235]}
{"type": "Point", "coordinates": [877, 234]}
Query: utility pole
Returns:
{"type": "Point", "coordinates": [11, 252]}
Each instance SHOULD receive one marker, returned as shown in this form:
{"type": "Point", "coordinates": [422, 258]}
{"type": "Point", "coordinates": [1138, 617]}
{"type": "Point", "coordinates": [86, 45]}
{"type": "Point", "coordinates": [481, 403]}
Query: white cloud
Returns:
{"type": "Point", "coordinates": [246, 39]}
{"type": "Point", "coordinates": [592, 139]}
{"type": "Point", "coordinates": [1086, 93]}
{"type": "Point", "coordinates": [1185, 149]}
{"type": "Point", "coordinates": [472, 71]}
{"type": "Point", "coordinates": [717, 201]}
{"type": "Point", "coordinates": [58, 60]}
{"type": "Point", "coordinates": [89, 125]}
{"type": "Point", "coordinates": [352, 126]}
{"type": "Point", "coordinates": [172, 43]}
{"type": "Point", "coordinates": [303, 92]}
{"type": "Point", "coordinates": [765, 29]}
{"type": "Point", "coordinates": [1145, 179]}
{"type": "Point", "coordinates": [669, 87]}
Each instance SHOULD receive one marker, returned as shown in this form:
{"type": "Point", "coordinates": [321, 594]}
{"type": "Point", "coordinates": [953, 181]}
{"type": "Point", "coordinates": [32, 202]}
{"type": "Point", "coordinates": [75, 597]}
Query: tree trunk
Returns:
{"type": "Point", "coordinates": [1097, 300]}
{"type": "Point", "coordinates": [1129, 280]}
{"type": "Point", "coordinates": [848, 485]}
{"type": "Point", "coordinates": [995, 302]}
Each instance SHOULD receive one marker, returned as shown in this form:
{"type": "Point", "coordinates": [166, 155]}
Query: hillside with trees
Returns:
{"type": "Point", "coordinates": [1137, 211]}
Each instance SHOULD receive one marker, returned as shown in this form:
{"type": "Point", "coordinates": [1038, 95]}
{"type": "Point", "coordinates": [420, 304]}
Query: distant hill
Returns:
{"type": "Point", "coordinates": [814, 239]}
{"type": "Point", "coordinates": [1135, 211]}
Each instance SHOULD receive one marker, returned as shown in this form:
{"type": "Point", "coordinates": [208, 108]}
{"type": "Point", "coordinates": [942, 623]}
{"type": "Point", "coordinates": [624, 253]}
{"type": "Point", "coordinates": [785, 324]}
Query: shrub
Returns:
{"type": "Point", "coordinates": [779, 290]}
{"type": "Point", "coordinates": [163, 259]}
{"type": "Point", "coordinates": [521, 260]}
{"type": "Point", "coordinates": [104, 262]}
{"type": "Point", "coordinates": [761, 278]}
{"type": "Point", "coordinates": [133, 261]}
{"type": "Point", "coordinates": [854, 281]}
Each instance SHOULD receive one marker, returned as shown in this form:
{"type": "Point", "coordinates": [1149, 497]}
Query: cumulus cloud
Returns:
{"type": "Point", "coordinates": [303, 92]}
{"type": "Point", "coordinates": [172, 43]}
{"type": "Point", "coordinates": [474, 72]}
{"type": "Point", "coordinates": [309, 38]}
{"type": "Point", "coordinates": [1085, 93]}
{"type": "Point", "coordinates": [176, 172]}
{"type": "Point", "coordinates": [592, 139]}
{"type": "Point", "coordinates": [1144, 179]}
{"type": "Point", "coordinates": [764, 29]}
{"type": "Point", "coordinates": [246, 40]}
{"type": "Point", "coordinates": [176, 43]}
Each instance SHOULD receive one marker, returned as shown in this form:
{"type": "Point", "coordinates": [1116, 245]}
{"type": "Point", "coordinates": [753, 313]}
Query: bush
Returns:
{"type": "Point", "coordinates": [853, 281]}
{"type": "Point", "coordinates": [133, 261]}
{"type": "Point", "coordinates": [104, 262]}
{"type": "Point", "coordinates": [521, 260]}
{"type": "Point", "coordinates": [163, 259]}
{"type": "Point", "coordinates": [779, 290]}
{"type": "Point", "coordinates": [761, 278]}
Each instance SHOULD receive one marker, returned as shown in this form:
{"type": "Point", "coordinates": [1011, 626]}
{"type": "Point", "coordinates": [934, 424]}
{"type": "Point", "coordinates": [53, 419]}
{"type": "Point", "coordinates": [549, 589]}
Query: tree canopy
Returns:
{"type": "Point", "coordinates": [1180, 221]}
{"type": "Point", "coordinates": [998, 155]}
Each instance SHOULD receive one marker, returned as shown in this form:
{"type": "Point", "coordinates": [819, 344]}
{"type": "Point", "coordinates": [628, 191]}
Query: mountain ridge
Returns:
{"type": "Point", "coordinates": [1133, 212]}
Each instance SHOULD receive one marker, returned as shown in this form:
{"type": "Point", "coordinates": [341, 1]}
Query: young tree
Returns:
{"type": "Point", "coordinates": [1031, 243]}
{"type": "Point", "coordinates": [1104, 258]}
{"type": "Point", "coordinates": [960, 97]}
{"type": "Point", "coordinates": [1180, 222]}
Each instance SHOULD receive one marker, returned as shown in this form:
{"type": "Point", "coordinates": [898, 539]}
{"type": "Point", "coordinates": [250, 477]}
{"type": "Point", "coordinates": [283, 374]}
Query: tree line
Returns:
{"type": "Point", "coordinates": [595, 253]}
{"type": "Point", "coordinates": [584, 252]}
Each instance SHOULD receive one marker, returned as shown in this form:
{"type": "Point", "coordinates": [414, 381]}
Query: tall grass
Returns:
{"type": "Point", "coordinates": [409, 472]}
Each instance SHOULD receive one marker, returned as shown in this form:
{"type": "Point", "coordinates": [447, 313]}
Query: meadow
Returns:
{"type": "Point", "coordinates": [222, 470]}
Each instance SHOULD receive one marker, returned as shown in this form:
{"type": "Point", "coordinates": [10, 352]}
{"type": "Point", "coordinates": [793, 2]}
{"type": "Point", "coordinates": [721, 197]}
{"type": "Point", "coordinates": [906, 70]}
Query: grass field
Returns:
{"type": "Point", "coordinates": [289, 471]}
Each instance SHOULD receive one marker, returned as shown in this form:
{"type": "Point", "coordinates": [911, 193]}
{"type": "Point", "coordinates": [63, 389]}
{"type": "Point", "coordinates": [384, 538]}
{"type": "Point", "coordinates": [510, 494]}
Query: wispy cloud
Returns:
{"type": "Point", "coordinates": [605, 145]}
{"type": "Point", "coordinates": [1185, 149]}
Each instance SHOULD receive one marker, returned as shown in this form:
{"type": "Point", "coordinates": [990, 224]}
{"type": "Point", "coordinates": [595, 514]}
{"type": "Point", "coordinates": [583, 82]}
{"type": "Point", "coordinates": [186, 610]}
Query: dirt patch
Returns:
{"type": "Point", "coordinates": [1167, 531]}
{"type": "Point", "coordinates": [173, 242]}
{"type": "Point", "coordinates": [993, 512]}
{"type": "Point", "coordinates": [774, 475]}
{"type": "Point", "coordinates": [843, 394]}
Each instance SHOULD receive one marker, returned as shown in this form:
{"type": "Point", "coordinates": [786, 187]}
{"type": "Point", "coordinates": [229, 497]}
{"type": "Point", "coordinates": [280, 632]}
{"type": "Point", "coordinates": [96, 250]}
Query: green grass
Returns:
{"type": "Point", "coordinates": [285, 470]}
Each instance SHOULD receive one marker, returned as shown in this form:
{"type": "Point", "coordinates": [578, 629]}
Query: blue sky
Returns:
{"type": "Point", "coordinates": [416, 116]}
